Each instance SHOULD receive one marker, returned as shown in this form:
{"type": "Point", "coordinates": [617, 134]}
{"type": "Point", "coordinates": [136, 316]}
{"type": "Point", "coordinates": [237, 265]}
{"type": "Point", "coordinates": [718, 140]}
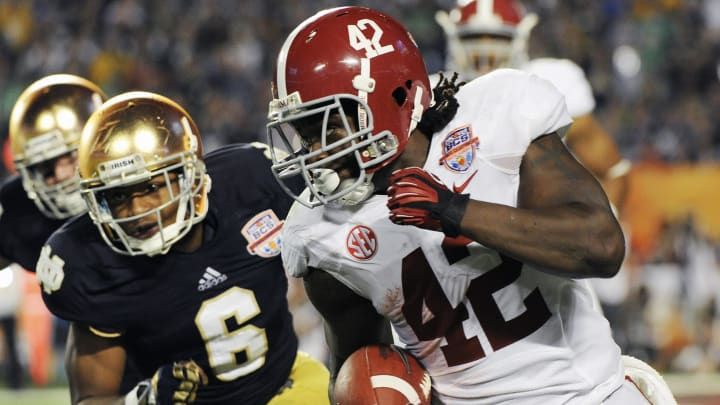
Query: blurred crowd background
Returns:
{"type": "Point", "coordinates": [654, 66]}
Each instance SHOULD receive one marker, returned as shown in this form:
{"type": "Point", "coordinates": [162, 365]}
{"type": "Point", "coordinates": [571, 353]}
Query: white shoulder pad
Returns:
{"type": "Point", "coordinates": [569, 79]}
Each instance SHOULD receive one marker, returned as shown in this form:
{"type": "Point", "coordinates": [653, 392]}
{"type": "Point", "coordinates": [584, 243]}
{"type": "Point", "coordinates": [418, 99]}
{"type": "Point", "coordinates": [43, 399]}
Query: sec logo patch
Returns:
{"type": "Point", "coordinates": [361, 242]}
{"type": "Point", "coordinates": [459, 149]}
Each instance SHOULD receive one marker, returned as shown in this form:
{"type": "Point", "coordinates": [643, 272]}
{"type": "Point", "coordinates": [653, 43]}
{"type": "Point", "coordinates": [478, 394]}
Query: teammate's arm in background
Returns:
{"type": "Point", "coordinates": [593, 146]}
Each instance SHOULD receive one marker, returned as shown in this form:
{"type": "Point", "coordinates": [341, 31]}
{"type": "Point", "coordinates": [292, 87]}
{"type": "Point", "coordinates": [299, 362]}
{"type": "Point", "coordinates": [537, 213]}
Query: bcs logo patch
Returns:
{"type": "Point", "coordinates": [263, 234]}
{"type": "Point", "coordinates": [459, 149]}
{"type": "Point", "coordinates": [361, 242]}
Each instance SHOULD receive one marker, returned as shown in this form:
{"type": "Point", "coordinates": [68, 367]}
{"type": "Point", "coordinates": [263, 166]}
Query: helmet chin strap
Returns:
{"type": "Point", "coordinates": [157, 244]}
{"type": "Point", "coordinates": [327, 182]}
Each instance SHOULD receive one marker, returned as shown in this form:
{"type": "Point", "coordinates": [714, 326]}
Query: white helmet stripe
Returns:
{"type": "Point", "coordinates": [485, 9]}
{"type": "Point", "coordinates": [417, 111]}
{"type": "Point", "coordinates": [282, 56]}
{"type": "Point", "coordinates": [365, 75]}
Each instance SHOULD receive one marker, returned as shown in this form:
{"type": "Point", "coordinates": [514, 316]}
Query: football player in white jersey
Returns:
{"type": "Point", "coordinates": [484, 35]}
{"type": "Point", "coordinates": [468, 241]}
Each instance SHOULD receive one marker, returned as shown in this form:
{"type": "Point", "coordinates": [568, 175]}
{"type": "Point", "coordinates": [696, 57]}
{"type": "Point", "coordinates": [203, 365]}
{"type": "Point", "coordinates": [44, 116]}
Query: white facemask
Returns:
{"type": "Point", "coordinates": [327, 182]}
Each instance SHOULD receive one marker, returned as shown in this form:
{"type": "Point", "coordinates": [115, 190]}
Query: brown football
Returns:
{"type": "Point", "coordinates": [382, 375]}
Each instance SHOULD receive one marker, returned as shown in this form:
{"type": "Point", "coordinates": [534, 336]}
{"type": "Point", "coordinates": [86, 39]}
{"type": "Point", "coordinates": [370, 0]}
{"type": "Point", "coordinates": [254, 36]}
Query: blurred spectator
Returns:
{"type": "Point", "coordinates": [10, 297]}
{"type": "Point", "coordinates": [216, 57]}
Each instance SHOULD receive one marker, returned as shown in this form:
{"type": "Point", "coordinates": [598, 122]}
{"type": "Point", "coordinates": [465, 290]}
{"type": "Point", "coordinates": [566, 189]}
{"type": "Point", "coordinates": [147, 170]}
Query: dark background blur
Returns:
{"type": "Point", "coordinates": [653, 63]}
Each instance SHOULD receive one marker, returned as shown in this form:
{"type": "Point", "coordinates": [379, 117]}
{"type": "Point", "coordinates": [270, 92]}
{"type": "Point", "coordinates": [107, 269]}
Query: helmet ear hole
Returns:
{"type": "Point", "coordinates": [400, 95]}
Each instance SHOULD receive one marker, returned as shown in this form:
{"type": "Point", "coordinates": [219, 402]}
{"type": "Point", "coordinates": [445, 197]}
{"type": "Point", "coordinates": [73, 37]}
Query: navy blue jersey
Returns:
{"type": "Point", "coordinates": [223, 306]}
{"type": "Point", "coordinates": [23, 228]}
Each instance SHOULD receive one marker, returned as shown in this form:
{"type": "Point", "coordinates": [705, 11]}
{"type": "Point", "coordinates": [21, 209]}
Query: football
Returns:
{"type": "Point", "coordinates": [382, 375]}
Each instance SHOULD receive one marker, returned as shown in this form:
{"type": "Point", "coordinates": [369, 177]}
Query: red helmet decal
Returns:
{"type": "Point", "coordinates": [507, 10]}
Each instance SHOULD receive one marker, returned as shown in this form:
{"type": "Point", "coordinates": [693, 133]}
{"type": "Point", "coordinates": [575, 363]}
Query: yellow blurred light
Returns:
{"type": "Point", "coordinates": [120, 146]}
{"type": "Point", "coordinates": [45, 121]}
{"type": "Point", "coordinates": [66, 118]}
{"type": "Point", "coordinates": [145, 140]}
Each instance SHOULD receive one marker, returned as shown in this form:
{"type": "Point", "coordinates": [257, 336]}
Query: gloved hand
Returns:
{"type": "Point", "coordinates": [417, 197]}
{"type": "Point", "coordinates": [172, 384]}
{"type": "Point", "coordinates": [444, 108]}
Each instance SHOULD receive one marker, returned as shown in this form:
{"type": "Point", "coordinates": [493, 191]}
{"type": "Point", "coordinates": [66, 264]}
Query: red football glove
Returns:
{"type": "Point", "coordinates": [417, 197]}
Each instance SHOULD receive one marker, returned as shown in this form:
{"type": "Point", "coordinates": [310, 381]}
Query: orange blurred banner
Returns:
{"type": "Point", "coordinates": [664, 193]}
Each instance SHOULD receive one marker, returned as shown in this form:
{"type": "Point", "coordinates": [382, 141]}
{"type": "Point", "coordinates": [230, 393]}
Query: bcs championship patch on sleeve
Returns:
{"type": "Point", "coordinates": [459, 149]}
{"type": "Point", "coordinates": [263, 234]}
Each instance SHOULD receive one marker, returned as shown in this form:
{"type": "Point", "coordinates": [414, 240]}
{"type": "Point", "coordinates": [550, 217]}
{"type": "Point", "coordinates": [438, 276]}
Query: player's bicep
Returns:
{"type": "Point", "coordinates": [94, 364]}
{"type": "Point", "coordinates": [550, 176]}
{"type": "Point", "coordinates": [350, 320]}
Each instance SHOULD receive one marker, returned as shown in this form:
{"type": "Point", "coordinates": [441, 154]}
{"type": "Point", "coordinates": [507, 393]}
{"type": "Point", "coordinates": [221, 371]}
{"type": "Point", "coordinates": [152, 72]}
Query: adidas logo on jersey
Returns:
{"type": "Point", "coordinates": [210, 279]}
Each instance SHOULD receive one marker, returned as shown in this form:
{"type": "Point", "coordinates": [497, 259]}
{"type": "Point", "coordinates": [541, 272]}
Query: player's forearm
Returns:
{"type": "Point", "coordinates": [572, 241]}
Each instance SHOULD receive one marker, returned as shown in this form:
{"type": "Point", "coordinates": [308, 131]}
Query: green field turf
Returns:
{"type": "Point", "coordinates": [35, 396]}
{"type": "Point", "coordinates": [689, 389]}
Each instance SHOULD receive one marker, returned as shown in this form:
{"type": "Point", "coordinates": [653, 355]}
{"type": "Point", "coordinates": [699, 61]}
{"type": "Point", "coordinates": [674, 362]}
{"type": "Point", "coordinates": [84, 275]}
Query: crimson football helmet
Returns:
{"type": "Point", "coordinates": [132, 139]}
{"type": "Point", "coordinates": [361, 68]}
{"type": "Point", "coordinates": [45, 126]}
{"type": "Point", "coordinates": [483, 35]}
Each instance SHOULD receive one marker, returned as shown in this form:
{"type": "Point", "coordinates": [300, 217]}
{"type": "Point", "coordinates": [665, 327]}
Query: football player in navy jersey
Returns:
{"type": "Point", "coordinates": [45, 126]}
{"type": "Point", "coordinates": [179, 274]}
{"type": "Point", "coordinates": [44, 132]}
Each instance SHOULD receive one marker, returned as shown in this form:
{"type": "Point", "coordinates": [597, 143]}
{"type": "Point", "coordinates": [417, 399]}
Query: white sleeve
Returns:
{"type": "Point", "coordinates": [293, 254]}
{"type": "Point", "coordinates": [542, 108]}
{"type": "Point", "coordinates": [508, 109]}
{"type": "Point", "coordinates": [569, 79]}
{"type": "Point", "coordinates": [294, 260]}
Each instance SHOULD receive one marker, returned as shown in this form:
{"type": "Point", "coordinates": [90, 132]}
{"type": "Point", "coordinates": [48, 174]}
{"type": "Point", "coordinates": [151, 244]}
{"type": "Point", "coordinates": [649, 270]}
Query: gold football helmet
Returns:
{"type": "Point", "coordinates": [45, 125]}
{"type": "Point", "coordinates": [133, 138]}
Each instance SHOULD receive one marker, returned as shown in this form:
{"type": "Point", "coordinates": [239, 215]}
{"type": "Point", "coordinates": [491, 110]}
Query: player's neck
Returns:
{"type": "Point", "coordinates": [415, 152]}
{"type": "Point", "coordinates": [192, 241]}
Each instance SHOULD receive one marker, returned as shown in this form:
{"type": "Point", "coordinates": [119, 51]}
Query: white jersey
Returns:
{"type": "Point", "coordinates": [488, 328]}
{"type": "Point", "coordinates": [569, 78]}
{"type": "Point", "coordinates": [565, 75]}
